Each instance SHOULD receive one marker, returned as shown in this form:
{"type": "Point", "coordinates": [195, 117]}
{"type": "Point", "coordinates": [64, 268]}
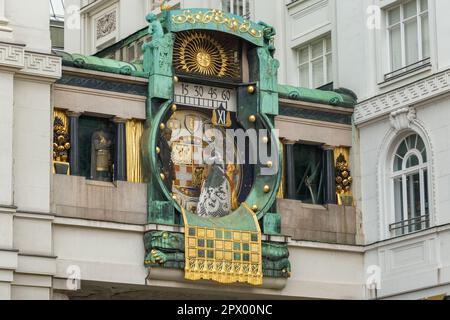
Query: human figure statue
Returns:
{"type": "Point", "coordinates": [215, 196]}
{"type": "Point", "coordinates": [155, 29]}
{"type": "Point", "coordinates": [165, 157]}
{"type": "Point", "coordinates": [101, 156]}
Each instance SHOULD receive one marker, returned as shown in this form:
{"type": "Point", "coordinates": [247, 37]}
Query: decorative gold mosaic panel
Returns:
{"type": "Point", "coordinates": [222, 255]}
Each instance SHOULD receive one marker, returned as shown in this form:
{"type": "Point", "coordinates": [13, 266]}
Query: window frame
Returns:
{"type": "Point", "coordinates": [246, 7]}
{"type": "Point", "coordinates": [402, 21]}
{"type": "Point", "coordinates": [403, 174]}
{"type": "Point", "coordinates": [325, 65]}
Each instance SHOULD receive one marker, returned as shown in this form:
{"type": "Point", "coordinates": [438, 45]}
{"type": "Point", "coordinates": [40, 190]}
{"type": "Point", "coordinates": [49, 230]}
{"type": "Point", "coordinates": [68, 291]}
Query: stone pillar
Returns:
{"type": "Point", "coordinates": [75, 147]}
{"type": "Point", "coordinates": [290, 170]}
{"type": "Point", "coordinates": [120, 164]}
{"type": "Point", "coordinates": [7, 137]}
{"type": "Point", "coordinates": [329, 172]}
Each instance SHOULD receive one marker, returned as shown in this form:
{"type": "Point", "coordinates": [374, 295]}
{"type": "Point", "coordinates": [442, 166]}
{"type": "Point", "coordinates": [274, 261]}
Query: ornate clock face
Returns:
{"type": "Point", "coordinates": [194, 153]}
{"type": "Point", "coordinates": [201, 53]}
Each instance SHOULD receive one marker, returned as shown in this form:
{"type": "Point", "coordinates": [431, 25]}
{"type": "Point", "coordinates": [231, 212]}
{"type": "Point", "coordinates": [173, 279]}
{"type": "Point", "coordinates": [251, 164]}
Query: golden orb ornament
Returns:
{"type": "Point", "coordinates": [163, 177]}
{"type": "Point", "coordinates": [252, 118]}
{"type": "Point", "coordinates": [162, 126]}
{"type": "Point", "coordinates": [266, 188]}
{"type": "Point", "coordinates": [251, 89]}
{"type": "Point", "coordinates": [176, 79]}
{"type": "Point", "coordinates": [174, 108]}
{"type": "Point", "coordinates": [269, 164]}
{"type": "Point", "coordinates": [255, 208]}
{"type": "Point", "coordinates": [158, 150]}
{"type": "Point", "coordinates": [265, 140]}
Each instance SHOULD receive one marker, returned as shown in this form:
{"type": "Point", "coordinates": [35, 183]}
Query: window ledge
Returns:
{"type": "Point", "coordinates": [406, 75]}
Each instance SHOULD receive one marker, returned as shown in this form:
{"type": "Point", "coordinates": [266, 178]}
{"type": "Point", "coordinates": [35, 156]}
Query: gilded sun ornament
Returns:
{"type": "Point", "coordinates": [200, 53]}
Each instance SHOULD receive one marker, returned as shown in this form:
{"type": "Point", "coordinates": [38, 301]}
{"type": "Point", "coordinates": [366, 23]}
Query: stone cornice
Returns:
{"type": "Point", "coordinates": [12, 56]}
{"type": "Point", "coordinates": [411, 94]}
{"type": "Point", "coordinates": [15, 57]}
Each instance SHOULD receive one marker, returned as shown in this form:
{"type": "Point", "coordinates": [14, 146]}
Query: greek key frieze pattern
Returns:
{"type": "Point", "coordinates": [11, 55]}
{"type": "Point", "coordinates": [43, 65]}
{"type": "Point", "coordinates": [30, 63]}
{"type": "Point", "coordinates": [402, 97]}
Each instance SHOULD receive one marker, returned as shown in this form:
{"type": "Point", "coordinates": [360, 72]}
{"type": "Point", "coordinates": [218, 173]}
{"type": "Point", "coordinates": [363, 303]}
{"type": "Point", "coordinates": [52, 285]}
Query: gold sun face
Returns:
{"type": "Point", "coordinates": [199, 53]}
{"type": "Point", "coordinates": [204, 59]}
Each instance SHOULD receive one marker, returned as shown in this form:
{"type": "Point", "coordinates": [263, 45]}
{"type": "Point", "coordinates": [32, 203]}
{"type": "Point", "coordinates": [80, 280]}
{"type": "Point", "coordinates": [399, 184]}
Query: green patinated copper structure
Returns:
{"type": "Point", "coordinates": [166, 249]}
{"type": "Point", "coordinates": [262, 104]}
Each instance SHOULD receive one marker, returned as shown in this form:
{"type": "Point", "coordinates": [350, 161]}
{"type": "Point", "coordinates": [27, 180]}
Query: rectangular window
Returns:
{"type": "Point", "coordinates": [237, 7]}
{"type": "Point", "coordinates": [309, 180]}
{"type": "Point", "coordinates": [315, 63]}
{"type": "Point", "coordinates": [408, 35]}
{"type": "Point", "coordinates": [131, 53]}
{"type": "Point", "coordinates": [97, 153]}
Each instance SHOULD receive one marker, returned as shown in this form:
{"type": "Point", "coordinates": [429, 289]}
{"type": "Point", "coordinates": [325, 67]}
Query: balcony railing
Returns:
{"type": "Point", "coordinates": [408, 69]}
{"type": "Point", "coordinates": [410, 225]}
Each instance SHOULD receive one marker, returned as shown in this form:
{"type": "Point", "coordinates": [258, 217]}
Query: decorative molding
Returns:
{"type": "Point", "coordinates": [42, 65]}
{"type": "Point", "coordinates": [306, 113]}
{"type": "Point", "coordinates": [411, 94]}
{"type": "Point", "coordinates": [106, 24]}
{"type": "Point", "coordinates": [384, 153]}
{"type": "Point", "coordinates": [12, 55]}
{"type": "Point", "coordinates": [402, 118]}
{"type": "Point", "coordinates": [103, 85]}
{"type": "Point", "coordinates": [30, 63]}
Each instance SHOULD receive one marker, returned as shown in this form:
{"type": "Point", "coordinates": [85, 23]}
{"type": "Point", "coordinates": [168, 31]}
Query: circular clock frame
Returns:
{"type": "Point", "coordinates": [265, 187]}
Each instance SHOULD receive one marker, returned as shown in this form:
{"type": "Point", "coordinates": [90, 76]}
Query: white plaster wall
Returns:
{"type": "Point", "coordinates": [354, 48]}
{"type": "Point", "coordinates": [30, 23]}
{"type": "Point", "coordinates": [435, 118]}
{"type": "Point", "coordinates": [325, 274]}
{"type": "Point", "coordinates": [6, 143]}
{"type": "Point", "coordinates": [370, 144]}
{"type": "Point", "coordinates": [114, 253]}
{"type": "Point", "coordinates": [32, 145]}
{"type": "Point", "coordinates": [414, 262]}
{"type": "Point", "coordinates": [132, 17]}
{"type": "Point", "coordinates": [72, 29]}
{"type": "Point", "coordinates": [442, 26]}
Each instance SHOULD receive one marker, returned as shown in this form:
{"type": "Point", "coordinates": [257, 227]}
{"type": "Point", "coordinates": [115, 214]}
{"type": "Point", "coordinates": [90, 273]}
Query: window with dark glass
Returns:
{"type": "Point", "coordinates": [309, 173]}
{"type": "Point", "coordinates": [97, 148]}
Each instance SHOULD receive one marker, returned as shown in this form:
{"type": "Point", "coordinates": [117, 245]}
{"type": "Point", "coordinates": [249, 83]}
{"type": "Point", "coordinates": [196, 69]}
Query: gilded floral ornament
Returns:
{"type": "Point", "coordinates": [220, 18]}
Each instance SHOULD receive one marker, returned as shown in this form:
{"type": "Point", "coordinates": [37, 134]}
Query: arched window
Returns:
{"type": "Point", "coordinates": [410, 179]}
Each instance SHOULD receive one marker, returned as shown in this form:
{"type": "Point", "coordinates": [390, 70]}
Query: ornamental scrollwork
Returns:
{"type": "Point", "coordinates": [220, 18]}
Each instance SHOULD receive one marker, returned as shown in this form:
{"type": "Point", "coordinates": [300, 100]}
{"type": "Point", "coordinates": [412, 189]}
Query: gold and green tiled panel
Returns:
{"type": "Point", "coordinates": [224, 245]}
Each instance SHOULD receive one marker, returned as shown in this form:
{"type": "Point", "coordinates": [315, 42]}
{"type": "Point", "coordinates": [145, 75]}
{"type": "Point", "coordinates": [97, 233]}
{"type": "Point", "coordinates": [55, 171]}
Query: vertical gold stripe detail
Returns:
{"type": "Point", "coordinates": [134, 130]}
{"type": "Point", "coordinates": [280, 194]}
